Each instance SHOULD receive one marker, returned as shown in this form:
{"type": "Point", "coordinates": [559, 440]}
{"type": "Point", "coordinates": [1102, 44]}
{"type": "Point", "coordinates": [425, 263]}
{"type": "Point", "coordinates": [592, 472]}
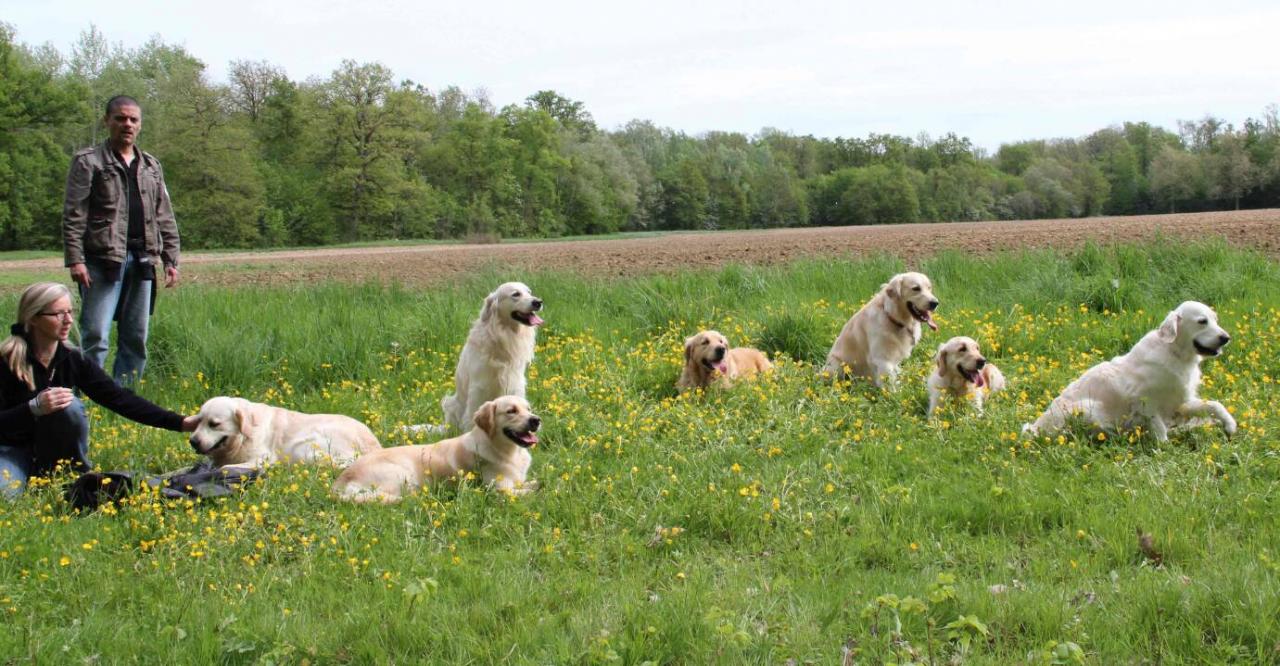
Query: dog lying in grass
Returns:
{"type": "Point", "coordinates": [497, 449]}
{"type": "Point", "coordinates": [961, 371]}
{"type": "Point", "coordinates": [235, 432]}
{"type": "Point", "coordinates": [708, 359]}
{"type": "Point", "coordinates": [1154, 385]}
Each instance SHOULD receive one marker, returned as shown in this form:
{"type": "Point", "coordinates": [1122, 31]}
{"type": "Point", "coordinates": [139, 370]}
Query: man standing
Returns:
{"type": "Point", "coordinates": [117, 227]}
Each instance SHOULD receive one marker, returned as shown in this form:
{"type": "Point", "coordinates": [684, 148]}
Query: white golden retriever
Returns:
{"type": "Point", "coordinates": [237, 432]}
{"type": "Point", "coordinates": [497, 448]}
{"type": "Point", "coordinates": [497, 352]}
{"type": "Point", "coordinates": [707, 357]}
{"type": "Point", "coordinates": [1154, 385]}
{"type": "Point", "coordinates": [962, 372]}
{"type": "Point", "coordinates": [882, 334]}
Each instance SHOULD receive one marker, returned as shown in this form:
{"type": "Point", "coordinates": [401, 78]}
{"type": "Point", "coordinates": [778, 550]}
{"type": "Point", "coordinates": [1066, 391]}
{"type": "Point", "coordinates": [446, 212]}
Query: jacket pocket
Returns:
{"type": "Point", "coordinates": [97, 236]}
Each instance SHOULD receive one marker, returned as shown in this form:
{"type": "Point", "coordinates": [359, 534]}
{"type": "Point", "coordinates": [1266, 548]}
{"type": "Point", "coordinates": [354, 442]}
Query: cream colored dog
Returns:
{"type": "Point", "coordinates": [1154, 385]}
{"type": "Point", "coordinates": [707, 357]}
{"type": "Point", "coordinates": [497, 352]}
{"type": "Point", "coordinates": [961, 371]}
{"type": "Point", "coordinates": [497, 448]}
{"type": "Point", "coordinates": [882, 334]}
{"type": "Point", "coordinates": [239, 433]}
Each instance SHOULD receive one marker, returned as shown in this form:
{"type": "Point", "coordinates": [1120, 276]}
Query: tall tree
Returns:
{"type": "Point", "coordinates": [1232, 174]}
{"type": "Point", "coordinates": [1176, 177]}
{"type": "Point", "coordinates": [32, 167]}
{"type": "Point", "coordinates": [251, 84]}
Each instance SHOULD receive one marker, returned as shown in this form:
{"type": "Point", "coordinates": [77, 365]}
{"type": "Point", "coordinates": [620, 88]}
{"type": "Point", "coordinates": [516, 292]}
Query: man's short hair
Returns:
{"type": "Point", "coordinates": [118, 101]}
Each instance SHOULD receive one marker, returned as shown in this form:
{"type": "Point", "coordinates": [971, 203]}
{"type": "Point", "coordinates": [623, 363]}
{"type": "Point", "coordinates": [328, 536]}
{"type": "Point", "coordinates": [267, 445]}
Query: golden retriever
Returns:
{"type": "Point", "coordinates": [707, 356]}
{"type": "Point", "coordinates": [962, 371]}
{"type": "Point", "coordinates": [497, 448]}
{"type": "Point", "coordinates": [1153, 385]}
{"type": "Point", "coordinates": [882, 334]}
{"type": "Point", "coordinates": [237, 432]}
{"type": "Point", "coordinates": [497, 352]}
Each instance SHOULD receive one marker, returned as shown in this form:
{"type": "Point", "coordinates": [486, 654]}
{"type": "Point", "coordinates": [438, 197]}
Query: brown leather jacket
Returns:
{"type": "Point", "coordinates": [95, 217]}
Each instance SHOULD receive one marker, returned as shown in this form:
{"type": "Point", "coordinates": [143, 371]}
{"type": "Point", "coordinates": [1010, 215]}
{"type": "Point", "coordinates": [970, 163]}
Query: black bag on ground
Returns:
{"type": "Point", "coordinates": [202, 480]}
{"type": "Point", "coordinates": [93, 489]}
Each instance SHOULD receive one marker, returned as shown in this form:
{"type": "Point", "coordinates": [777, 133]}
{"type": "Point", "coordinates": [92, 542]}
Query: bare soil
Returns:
{"type": "Point", "coordinates": [622, 257]}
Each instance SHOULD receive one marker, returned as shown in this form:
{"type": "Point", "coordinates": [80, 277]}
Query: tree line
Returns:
{"type": "Point", "coordinates": [264, 160]}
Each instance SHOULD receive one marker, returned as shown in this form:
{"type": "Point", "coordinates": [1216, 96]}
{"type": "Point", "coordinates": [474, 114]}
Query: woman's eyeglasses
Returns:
{"type": "Point", "coordinates": [60, 314]}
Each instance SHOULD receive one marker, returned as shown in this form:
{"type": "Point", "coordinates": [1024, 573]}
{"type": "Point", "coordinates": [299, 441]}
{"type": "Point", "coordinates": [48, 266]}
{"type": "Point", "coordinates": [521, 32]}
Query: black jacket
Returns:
{"type": "Point", "coordinates": [69, 368]}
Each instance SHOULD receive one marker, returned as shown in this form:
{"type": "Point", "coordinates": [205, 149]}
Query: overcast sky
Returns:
{"type": "Point", "coordinates": [993, 71]}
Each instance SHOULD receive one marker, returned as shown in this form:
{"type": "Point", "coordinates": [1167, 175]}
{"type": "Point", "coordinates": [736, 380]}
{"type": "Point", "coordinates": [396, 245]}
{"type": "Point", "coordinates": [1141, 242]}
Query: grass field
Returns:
{"type": "Point", "coordinates": [784, 519]}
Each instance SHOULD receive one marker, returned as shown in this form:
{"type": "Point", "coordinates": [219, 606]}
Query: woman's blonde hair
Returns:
{"type": "Point", "coordinates": [33, 301]}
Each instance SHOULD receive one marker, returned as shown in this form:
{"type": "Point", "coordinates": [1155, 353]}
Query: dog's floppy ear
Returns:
{"type": "Point", "coordinates": [486, 312]}
{"type": "Point", "coordinates": [486, 416]}
{"type": "Point", "coordinates": [688, 348]}
{"type": "Point", "coordinates": [1169, 329]}
{"type": "Point", "coordinates": [890, 288]}
{"type": "Point", "coordinates": [941, 358]}
{"type": "Point", "coordinates": [245, 421]}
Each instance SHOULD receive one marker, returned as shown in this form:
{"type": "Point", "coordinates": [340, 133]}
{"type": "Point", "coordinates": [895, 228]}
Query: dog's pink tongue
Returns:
{"type": "Point", "coordinates": [534, 319]}
{"type": "Point", "coordinates": [720, 367]}
{"type": "Point", "coordinates": [980, 381]}
{"type": "Point", "coordinates": [928, 319]}
{"type": "Point", "coordinates": [530, 439]}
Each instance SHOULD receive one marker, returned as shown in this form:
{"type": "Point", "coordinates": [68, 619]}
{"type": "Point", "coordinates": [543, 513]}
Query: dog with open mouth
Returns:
{"type": "Point", "coordinates": [235, 432]}
{"type": "Point", "coordinates": [708, 358]}
{"type": "Point", "coordinates": [1154, 385]}
{"type": "Point", "coordinates": [961, 371]}
{"type": "Point", "coordinates": [497, 353]}
{"type": "Point", "coordinates": [881, 335]}
{"type": "Point", "coordinates": [497, 449]}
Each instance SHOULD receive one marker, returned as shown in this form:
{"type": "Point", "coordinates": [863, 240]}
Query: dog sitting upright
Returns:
{"type": "Point", "coordinates": [961, 371]}
{"type": "Point", "coordinates": [497, 353]}
{"type": "Point", "coordinates": [708, 358]}
{"type": "Point", "coordinates": [497, 449]}
{"type": "Point", "coordinates": [881, 335]}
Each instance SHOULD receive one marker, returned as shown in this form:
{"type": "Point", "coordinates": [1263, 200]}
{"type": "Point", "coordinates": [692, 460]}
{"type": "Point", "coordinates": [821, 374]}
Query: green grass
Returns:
{"type": "Point", "coordinates": [806, 514]}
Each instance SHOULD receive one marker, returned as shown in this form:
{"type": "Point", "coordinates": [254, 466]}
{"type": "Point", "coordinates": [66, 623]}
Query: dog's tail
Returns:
{"type": "Point", "coordinates": [452, 411]}
{"type": "Point", "coordinates": [427, 428]}
{"type": "Point", "coordinates": [993, 377]}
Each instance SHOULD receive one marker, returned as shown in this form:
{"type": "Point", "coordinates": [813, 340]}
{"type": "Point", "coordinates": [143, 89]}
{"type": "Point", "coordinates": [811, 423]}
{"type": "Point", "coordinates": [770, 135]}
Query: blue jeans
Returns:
{"type": "Point", "coordinates": [98, 305]}
{"type": "Point", "coordinates": [62, 435]}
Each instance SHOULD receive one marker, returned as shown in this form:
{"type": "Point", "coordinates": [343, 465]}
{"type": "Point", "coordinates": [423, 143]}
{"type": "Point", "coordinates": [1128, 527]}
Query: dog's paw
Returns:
{"type": "Point", "coordinates": [1228, 424]}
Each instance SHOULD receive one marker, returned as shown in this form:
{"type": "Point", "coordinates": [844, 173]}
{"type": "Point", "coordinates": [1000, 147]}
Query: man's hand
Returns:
{"type": "Point", "coordinates": [170, 276]}
{"type": "Point", "coordinates": [80, 275]}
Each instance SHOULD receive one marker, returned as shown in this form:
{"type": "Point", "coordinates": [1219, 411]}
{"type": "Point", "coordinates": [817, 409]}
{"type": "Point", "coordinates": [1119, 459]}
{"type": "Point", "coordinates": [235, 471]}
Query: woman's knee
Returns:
{"type": "Point", "coordinates": [15, 466]}
{"type": "Point", "coordinates": [71, 422]}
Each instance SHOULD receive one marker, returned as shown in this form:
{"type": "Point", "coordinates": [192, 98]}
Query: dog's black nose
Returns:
{"type": "Point", "coordinates": [982, 362]}
{"type": "Point", "coordinates": [1224, 338]}
{"type": "Point", "coordinates": [194, 445]}
{"type": "Point", "coordinates": [537, 304]}
{"type": "Point", "coordinates": [933, 304]}
{"type": "Point", "coordinates": [534, 423]}
{"type": "Point", "coordinates": [719, 353]}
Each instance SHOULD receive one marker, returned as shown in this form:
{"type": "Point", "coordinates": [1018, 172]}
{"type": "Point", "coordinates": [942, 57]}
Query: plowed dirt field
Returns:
{"type": "Point", "coordinates": [620, 257]}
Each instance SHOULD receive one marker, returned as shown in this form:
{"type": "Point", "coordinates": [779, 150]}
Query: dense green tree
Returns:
{"type": "Point", "coordinates": [571, 115]}
{"type": "Point", "coordinates": [538, 166]}
{"type": "Point", "coordinates": [32, 166]}
{"type": "Point", "coordinates": [266, 160]}
{"type": "Point", "coordinates": [1230, 170]}
{"type": "Point", "coordinates": [1176, 177]}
